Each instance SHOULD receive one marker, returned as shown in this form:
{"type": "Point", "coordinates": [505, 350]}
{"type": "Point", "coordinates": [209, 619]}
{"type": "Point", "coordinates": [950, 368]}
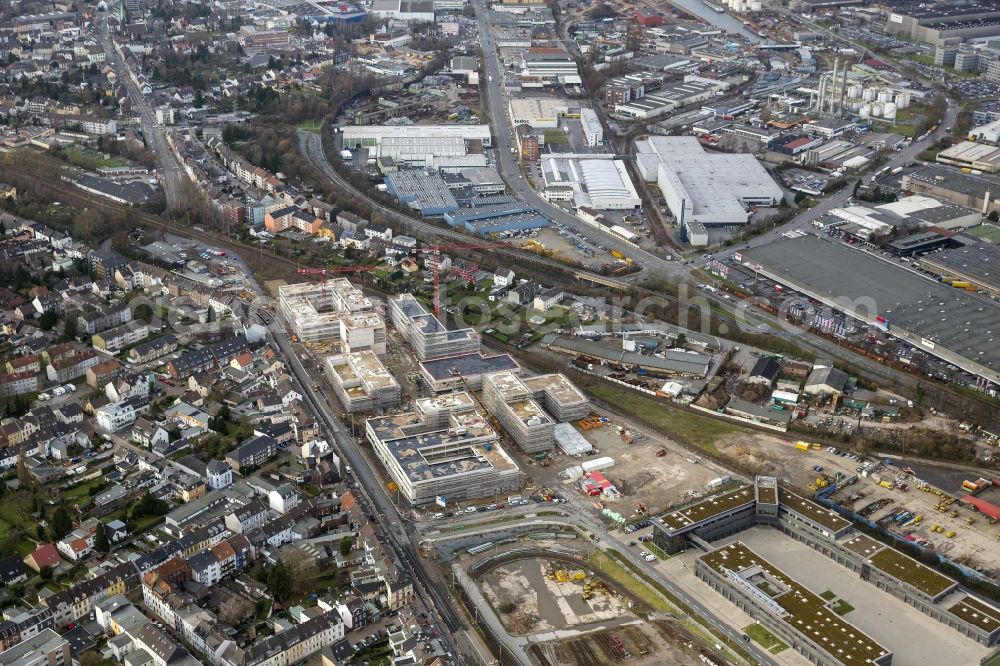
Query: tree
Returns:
{"type": "Point", "coordinates": [857, 186]}
{"type": "Point", "coordinates": [279, 581]}
{"type": "Point", "coordinates": [800, 197]}
{"type": "Point", "coordinates": [48, 320]}
{"type": "Point", "coordinates": [69, 328]}
{"type": "Point", "coordinates": [101, 543]}
{"type": "Point", "coordinates": [149, 506]}
{"type": "Point", "coordinates": [345, 545]}
{"type": "Point", "coordinates": [61, 523]}
{"type": "Point", "coordinates": [993, 216]}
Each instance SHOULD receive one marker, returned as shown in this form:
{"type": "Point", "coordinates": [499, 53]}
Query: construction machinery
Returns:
{"type": "Point", "coordinates": [661, 453]}
{"type": "Point", "coordinates": [641, 508]}
{"type": "Point", "coordinates": [563, 576]}
{"type": "Point", "coordinates": [590, 423]}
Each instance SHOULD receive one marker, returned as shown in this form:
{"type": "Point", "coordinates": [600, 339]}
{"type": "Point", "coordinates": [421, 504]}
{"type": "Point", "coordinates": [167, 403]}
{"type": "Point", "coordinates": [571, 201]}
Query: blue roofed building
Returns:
{"type": "Point", "coordinates": [424, 192]}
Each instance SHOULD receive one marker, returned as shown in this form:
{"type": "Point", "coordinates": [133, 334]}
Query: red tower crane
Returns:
{"type": "Point", "coordinates": [437, 249]}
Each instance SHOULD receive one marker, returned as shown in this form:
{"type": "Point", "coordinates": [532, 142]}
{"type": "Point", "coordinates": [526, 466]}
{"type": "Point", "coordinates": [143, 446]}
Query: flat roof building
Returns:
{"type": "Point", "coordinates": [539, 112]}
{"type": "Point", "coordinates": [938, 319]}
{"type": "Point", "coordinates": [428, 337]}
{"type": "Point", "coordinates": [371, 136]}
{"type": "Point", "coordinates": [979, 265]}
{"type": "Point", "coordinates": [969, 155]}
{"type": "Point", "coordinates": [361, 382]}
{"type": "Point", "coordinates": [973, 191]}
{"type": "Point", "coordinates": [452, 453]}
{"type": "Point", "coordinates": [332, 310]}
{"type": "Point", "coordinates": [788, 608]}
{"type": "Point", "coordinates": [669, 98]}
{"type": "Point", "coordinates": [709, 188]}
{"type": "Point", "coordinates": [424, 192]}
{"type": "Point", "coordinates": [517, 405]}
{"type": "Point", "coordinates": [464, 370]}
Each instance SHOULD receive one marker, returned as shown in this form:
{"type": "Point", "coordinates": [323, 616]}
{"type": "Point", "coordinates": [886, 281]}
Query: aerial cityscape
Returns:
{"type": "Point", "coordinates": [499, 332]}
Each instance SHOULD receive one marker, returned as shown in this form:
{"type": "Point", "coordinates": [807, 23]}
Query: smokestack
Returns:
{"type": "Point", "coordinates": [833, 86]}
{"type": "Point", "coordinates": [843, 88]}
{"type": "Point", "coordinates": [822, 93]}
{"type": "Point", "coordinates": [986, 202]}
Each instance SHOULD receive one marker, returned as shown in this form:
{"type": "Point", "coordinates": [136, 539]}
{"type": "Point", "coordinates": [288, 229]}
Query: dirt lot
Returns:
{"type": "Point", "coordinates": [658, 482]}
{"type": "Point", "coordinates": [645, 644]}
{"type": "Point", "coordinates": [974, 544]}
{"type": "Point", "coordinates": [529, 602]}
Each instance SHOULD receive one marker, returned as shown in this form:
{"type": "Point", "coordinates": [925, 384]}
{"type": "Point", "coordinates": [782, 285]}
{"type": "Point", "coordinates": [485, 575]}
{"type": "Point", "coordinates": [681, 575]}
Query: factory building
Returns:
{"type": "Point", "coordinates": [332, 310]}
{"type": "Point", "coordinates": [548, 66]}
{"type": "Point", "coordinates": [426, 193]}
{"type": "Point", "coordinates": [539, 112]}
{"type": "Point", "coordinates": [454, 455]}
{"type": "Point", "coordinates": [492, 218]}
{"type": "Point", "coordinates": [593, 131]}
{"type": "Point", "coordinates": [517, 405]}
{"type": "Point", "coordinates": [708, 188]}
{"type": "Point", "coordinates": [964, 189]}
{"type": "Point", "coordinates": [940, 24]}
{"type": "Point", "coordinates": [428, 337]}
{"type": "Point", "coordinates": [372, 136]}
{"type": "Point", "coordinates": [361, 382]}
{"type": "Point", "coordinates": [596, 182]}
{"type": "Point", "coordinates": [974, 156]}
{"type": "Point", "coordinates": [670, 98]}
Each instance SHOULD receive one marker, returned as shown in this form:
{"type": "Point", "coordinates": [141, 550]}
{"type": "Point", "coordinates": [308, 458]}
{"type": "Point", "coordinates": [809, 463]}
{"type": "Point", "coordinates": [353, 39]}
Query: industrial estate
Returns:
{"type": "Point", "coordinates": [499, 332]}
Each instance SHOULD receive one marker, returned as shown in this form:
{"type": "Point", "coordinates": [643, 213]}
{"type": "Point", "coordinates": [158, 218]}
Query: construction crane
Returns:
{"type": "Point", "coordinates": [437, 250]}
{"type": "Point", "coordinates": [320, 272]}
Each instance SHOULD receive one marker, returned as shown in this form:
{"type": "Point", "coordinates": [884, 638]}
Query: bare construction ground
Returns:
{"type": "Point", "coordinates": [644, 644]}
{"type": "Point", "coordinates": [530, 602]}
{"type": "Point", "coordinates": [640, 475]}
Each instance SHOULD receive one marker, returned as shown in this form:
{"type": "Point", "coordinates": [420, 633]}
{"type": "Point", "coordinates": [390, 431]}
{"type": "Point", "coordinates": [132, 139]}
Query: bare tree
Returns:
{"type": "Point", "coordinates": [235, 610]}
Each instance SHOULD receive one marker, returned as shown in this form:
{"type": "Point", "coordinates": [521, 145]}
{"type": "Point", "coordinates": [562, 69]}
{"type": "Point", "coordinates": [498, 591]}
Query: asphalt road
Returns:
{"type": "Point", "coordinates": [374, 498]}
{"type": "Point", "coordinates": [172, 174]}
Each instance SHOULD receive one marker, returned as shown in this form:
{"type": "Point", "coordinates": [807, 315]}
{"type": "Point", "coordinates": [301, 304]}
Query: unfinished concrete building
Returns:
{"type": "Point", "coordinates": [517, 403]}
{"type": "Point", "coordinates": [361, 382]}
{"type": "Point", "coordinates": [332, 310]}
{"type": "Point", "coordinates": [428, 337]}
{"type": "Point", "coordinates": [453, 455]}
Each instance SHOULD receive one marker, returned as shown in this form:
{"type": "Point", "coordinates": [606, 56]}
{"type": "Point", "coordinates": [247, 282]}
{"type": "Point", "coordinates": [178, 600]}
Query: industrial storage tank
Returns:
{"type": "Point", "coordinates": [876, 110]}
{"type": "Point", "coordinates": [854, 92]}
{"type": "Point", "coordinates": [869, 94]}
{"type": "Point", "coordinates": [885, 96]}
{"type": "Point", "coordinates": [889, 111]}
{"type": "Point", "coordinates": [902, 100]}
{"type": "Point", "coordinates": [855, 107]}
{"type": "Point", "coordinates": [865, 111]}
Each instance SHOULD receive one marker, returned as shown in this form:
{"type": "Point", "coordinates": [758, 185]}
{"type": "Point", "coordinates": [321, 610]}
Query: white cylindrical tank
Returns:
{"type": "Point", "coordinates": [854, 92]}
{"type": "Point", "coordinates": [869, 94]}
{"type": "Point", "coordinates": [889, 111]}
{"type": "Point", "coordinates": [885, 96]}
{"type": "Point", "coordinates": [876, 110]}
{"type": "Point", "coordinates": [855, 107]}
{"type": "Point", "coordinates": [865, 110]}
{"type": "Point", "coordinates": [902, 100]}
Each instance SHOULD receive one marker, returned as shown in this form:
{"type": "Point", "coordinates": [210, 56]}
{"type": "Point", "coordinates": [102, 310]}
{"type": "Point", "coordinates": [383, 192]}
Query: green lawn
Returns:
{"type": "Point", "coordinates": [609, 566]}
{"type": "Point", "coordinates": [80, 493]}
{"type": "Point", "coordinates": [765, 638]}
{"type": "Point", "coordinates": [842, 607]}
{"type": "Point", "coordinates": [556, 137]}
{"type": "Point", "coordinates": [683, 426]}
{"type": "Point", "coordinates": [828, 595]}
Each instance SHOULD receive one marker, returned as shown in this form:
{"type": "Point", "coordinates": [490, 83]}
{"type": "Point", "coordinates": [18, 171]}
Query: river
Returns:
{"type": "Point", "coordinates": [724, 21]}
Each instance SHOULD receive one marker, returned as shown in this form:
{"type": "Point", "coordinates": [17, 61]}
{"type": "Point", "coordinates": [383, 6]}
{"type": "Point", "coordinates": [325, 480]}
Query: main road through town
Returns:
{"type": "Point", "coordinates": [172, 174]}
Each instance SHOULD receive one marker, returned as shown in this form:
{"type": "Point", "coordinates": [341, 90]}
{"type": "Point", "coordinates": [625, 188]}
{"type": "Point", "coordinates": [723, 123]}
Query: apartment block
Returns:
{"type": "Point", "coordinates": [332, 310]}
{"type": "Point", "coordinates": [361, 382]}
{"type": "Point", "coordinates": [428, 337]}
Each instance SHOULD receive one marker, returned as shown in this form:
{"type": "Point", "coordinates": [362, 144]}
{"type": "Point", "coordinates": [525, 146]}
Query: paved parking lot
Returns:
{"type": "Point", "coordinates": [913, 637]}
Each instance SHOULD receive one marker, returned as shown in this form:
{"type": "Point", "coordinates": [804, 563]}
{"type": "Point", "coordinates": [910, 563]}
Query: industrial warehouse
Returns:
{"type": "Point", "coordinates": [601, 182]}
{"type": "Point", "coordinates": [711, 189]}
{"type": "Point", "coordinates": [949, 323]}
{"type": "Point", "coordinates": [784, 605]}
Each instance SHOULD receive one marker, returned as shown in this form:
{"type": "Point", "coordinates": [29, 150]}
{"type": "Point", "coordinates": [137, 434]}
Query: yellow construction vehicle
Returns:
{"type": "Point", "coordinates": [950, 533]}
